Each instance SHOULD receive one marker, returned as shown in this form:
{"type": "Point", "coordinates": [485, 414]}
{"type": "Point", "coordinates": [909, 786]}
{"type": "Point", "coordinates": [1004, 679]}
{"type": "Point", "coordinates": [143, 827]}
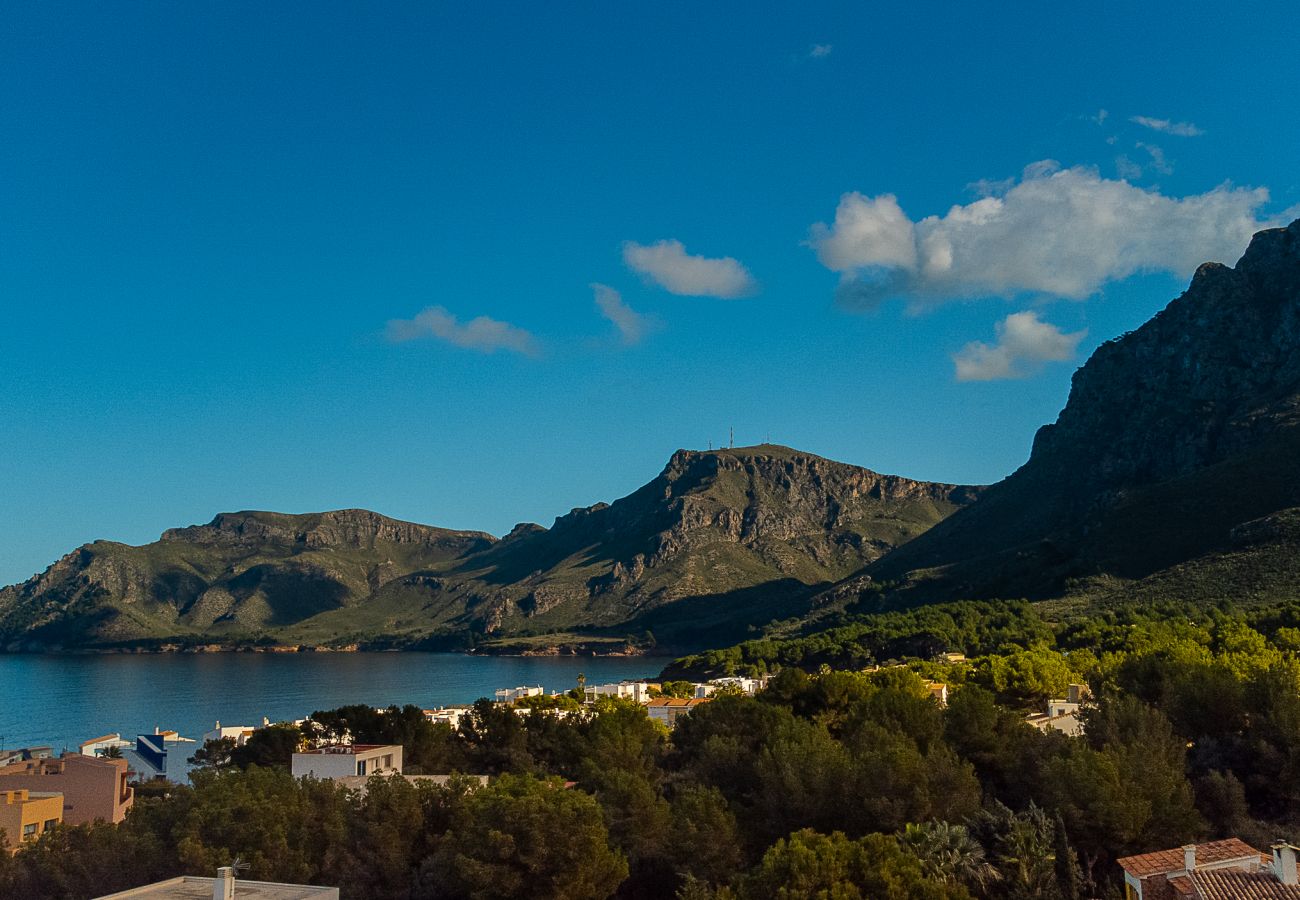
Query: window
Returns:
{"type": "Point", "coordinates": [29, 831]}
{"type": "Point", "coordinates": [50, 823]}
{"type": "Point", "coordinates": [361, 767]}
{"type": "Point", "coordinates": [388, 761]}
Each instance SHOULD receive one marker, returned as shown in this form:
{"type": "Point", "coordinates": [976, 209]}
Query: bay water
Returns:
{"type": "Point", "coordinates": [60, 701]}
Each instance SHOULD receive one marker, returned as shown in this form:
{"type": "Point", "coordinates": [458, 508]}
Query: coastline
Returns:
{"type": "Point", "coordinates": [584, 649]}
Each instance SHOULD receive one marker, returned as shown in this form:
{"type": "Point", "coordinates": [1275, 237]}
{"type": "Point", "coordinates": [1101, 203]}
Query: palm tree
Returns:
{"type": "Point", "coordinates": [949, 853]}
{"type": "Point", "coordinates": [112, 753]}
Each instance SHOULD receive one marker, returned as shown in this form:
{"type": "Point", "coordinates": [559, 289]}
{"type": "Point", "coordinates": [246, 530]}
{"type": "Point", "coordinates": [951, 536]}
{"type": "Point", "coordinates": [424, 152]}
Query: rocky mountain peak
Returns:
{"type": "Point", "coordinates": [1207, 376]}
{"type": "Point", "coordinates": [1172, 434]}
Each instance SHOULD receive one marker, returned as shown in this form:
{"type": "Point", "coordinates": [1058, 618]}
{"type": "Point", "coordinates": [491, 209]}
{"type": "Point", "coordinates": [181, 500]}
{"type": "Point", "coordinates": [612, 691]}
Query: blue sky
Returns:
{"type": "Point", "coordinates": [310, 256]}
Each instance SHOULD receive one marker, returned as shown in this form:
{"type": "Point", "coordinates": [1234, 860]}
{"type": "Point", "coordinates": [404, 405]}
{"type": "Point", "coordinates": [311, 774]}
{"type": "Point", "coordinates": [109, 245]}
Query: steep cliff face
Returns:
{"type": "Point", "coordinates": [717, 542]}
{"type": "Point", "coordinates": [1172, 435]}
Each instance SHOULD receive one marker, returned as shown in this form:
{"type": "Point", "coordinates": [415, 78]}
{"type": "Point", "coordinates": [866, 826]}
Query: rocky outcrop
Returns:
{"type": "Point", "coordinates": [356, 528]}
{"type": "Point", "coordinates": [1172, 435]}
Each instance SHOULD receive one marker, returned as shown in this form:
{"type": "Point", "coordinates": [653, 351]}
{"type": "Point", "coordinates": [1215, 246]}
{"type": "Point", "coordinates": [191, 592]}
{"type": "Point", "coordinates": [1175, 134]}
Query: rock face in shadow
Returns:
{"type": "Point", "coordinates": [1173, 434]}
{"type": "Point", "coordinates": [747, 533]}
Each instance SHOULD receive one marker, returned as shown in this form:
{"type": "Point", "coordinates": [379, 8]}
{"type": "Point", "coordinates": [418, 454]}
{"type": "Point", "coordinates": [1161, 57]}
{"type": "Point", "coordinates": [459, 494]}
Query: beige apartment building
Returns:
{"type": "Point", "coordinates": [26, 815]}
{"type": "Point", "coordinates": [92, 787]}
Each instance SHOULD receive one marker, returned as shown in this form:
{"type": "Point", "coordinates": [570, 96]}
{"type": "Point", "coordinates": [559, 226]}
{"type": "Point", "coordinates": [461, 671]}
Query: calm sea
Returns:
{"type": "Point", "coordinates": [60, 701]}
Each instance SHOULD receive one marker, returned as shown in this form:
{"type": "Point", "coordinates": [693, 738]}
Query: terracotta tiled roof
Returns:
{"type": "Point", "coordinates": [1164, 861]}
{"type": "Point", "coordinates": [1234, 884]}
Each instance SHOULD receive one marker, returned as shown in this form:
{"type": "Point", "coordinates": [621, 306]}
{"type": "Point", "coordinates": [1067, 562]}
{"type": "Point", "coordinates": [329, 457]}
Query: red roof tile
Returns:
{"type": "Point", "coordinates": [1162, 862]}
{"type": "Point", "coordinates": [1233, 884]}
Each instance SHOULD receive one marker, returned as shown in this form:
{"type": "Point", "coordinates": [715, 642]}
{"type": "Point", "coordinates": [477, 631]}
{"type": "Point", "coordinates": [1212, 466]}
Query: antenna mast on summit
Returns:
{"type": "Point", "coordinates": [731, 438]}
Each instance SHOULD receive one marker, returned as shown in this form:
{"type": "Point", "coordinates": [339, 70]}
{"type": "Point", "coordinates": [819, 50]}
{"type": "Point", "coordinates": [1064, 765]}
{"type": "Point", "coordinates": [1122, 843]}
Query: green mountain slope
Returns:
{"type": "Point", "coordinates": [718, 542]}
{"type": "Point", "coordinates": [243, 574]}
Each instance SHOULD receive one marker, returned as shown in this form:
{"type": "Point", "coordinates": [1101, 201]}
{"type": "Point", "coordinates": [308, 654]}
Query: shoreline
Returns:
{"type": "Point", "coordinates": [557, 650]}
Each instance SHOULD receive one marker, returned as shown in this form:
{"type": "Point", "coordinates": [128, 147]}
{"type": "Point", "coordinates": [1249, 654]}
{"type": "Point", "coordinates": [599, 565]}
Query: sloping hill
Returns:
{"type": "Point", "coordinates": [717, 542]}
{"type": "Point", "coordinates": [243, 574]}
{"type": "Point", "coordinates": [1173, 435]}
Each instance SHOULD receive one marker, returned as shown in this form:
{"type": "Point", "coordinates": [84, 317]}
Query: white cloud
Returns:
{"type": "Point", "coordinates": [1181, 129]}
{"type": "Point", "coordinates": [1056, 232]}
{"type": "Point", "coordinates": [482, 333]}
{"type": "Point", "coordinates": [669, 265]}
{"type": "Point", "coordinates": [820, 51]}
{"type": "Point", "coordinates": [1024, 343]}
{"type": "Point", "coordinates": [631, 325]}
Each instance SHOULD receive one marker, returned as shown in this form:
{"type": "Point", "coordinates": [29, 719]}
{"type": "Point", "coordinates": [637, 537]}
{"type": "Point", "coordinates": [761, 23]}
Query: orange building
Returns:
{"type": "Point", "coordinates": [92, 787]}
{"type": "Point", "coordinates": [26, 815]}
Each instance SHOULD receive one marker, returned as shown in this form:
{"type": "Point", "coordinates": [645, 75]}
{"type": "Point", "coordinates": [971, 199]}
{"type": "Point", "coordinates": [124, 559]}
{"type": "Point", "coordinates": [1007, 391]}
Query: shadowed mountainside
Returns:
{"type": "Point", "coordinates": [1173, 436]}
{"type": "Point", "coordinates": [746, 535]}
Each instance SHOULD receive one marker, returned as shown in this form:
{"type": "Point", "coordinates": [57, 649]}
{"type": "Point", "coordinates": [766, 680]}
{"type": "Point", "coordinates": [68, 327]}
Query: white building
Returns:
{"type": "Point", "coordinates": [97, 746]}
{"type": "Point", "coordinates": [239, 733]}
{"type": "Point", "coordinates": [448, 715]}
{"type": "Point", "coordinates": [1062, 715]}
{"type": "Point", "coordinates": [636, 691]}
{"type": "Point", "coordinates": [344, 760]}
{"type": "Point", "coordinates": [224, 887]}
{"type": "Point", "coordinates": [510, 695]}
{"type": "Point", "coordinates": [747, 686]}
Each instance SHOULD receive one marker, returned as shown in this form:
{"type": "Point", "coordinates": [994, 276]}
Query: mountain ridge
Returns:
{"type": "Point", "coordinates": [744, 534]}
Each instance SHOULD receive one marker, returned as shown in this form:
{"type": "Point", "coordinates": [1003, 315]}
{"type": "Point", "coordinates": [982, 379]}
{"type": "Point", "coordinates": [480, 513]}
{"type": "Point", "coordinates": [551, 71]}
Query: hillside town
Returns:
{"type": "Point", "coordinates": [97, 782]}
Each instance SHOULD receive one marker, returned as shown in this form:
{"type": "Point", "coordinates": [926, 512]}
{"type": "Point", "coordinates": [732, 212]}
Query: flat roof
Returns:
{"type": "Point", "coordinates": [189, 886]}
{"type": "Point", "coordinates": [347, 749]}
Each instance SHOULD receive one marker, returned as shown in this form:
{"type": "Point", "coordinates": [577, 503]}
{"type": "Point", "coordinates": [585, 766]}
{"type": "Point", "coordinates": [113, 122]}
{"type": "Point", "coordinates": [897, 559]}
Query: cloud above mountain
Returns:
{"type": "Point", "coordinates": [668, 265]}
{"type": "Point", "coordinates": [1052, 232]}
{"type": "Point", "coordinates": [481, 334]}
{"type": "Point", "coordinates": [1024, 343]}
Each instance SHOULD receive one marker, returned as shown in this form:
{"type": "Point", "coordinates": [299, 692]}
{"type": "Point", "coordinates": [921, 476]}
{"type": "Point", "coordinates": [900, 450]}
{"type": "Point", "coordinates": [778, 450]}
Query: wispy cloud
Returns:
{"type": "Point", "coordinates": [632, 326]}
{"type": "Point", "coordinates": [1158, 160]}
{"type": "Point", "coordinates": [820, 51]}
{"type": "Point", "coordinates": [1057, 232]}
{"type": "Point", "coordinates": [1127, 168]}
{"type": "Point", "coordinates": [1024, 343]}
{"type": "Point", "coordinates": [1181, 129]}
{"type": "Point", "coordinates": [669, 265]}
{"type": "Point", "coordinates": [481, 333]}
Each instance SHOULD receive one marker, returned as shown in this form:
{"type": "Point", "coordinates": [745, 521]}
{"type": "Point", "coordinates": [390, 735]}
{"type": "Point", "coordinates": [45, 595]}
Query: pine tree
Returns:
{"type": "Point", "coordinates": [1067, 866]}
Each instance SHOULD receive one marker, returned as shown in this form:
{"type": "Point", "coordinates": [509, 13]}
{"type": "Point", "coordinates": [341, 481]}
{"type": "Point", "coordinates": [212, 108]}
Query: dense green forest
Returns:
{"type": "Point", "coordinates": [833, 782]}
